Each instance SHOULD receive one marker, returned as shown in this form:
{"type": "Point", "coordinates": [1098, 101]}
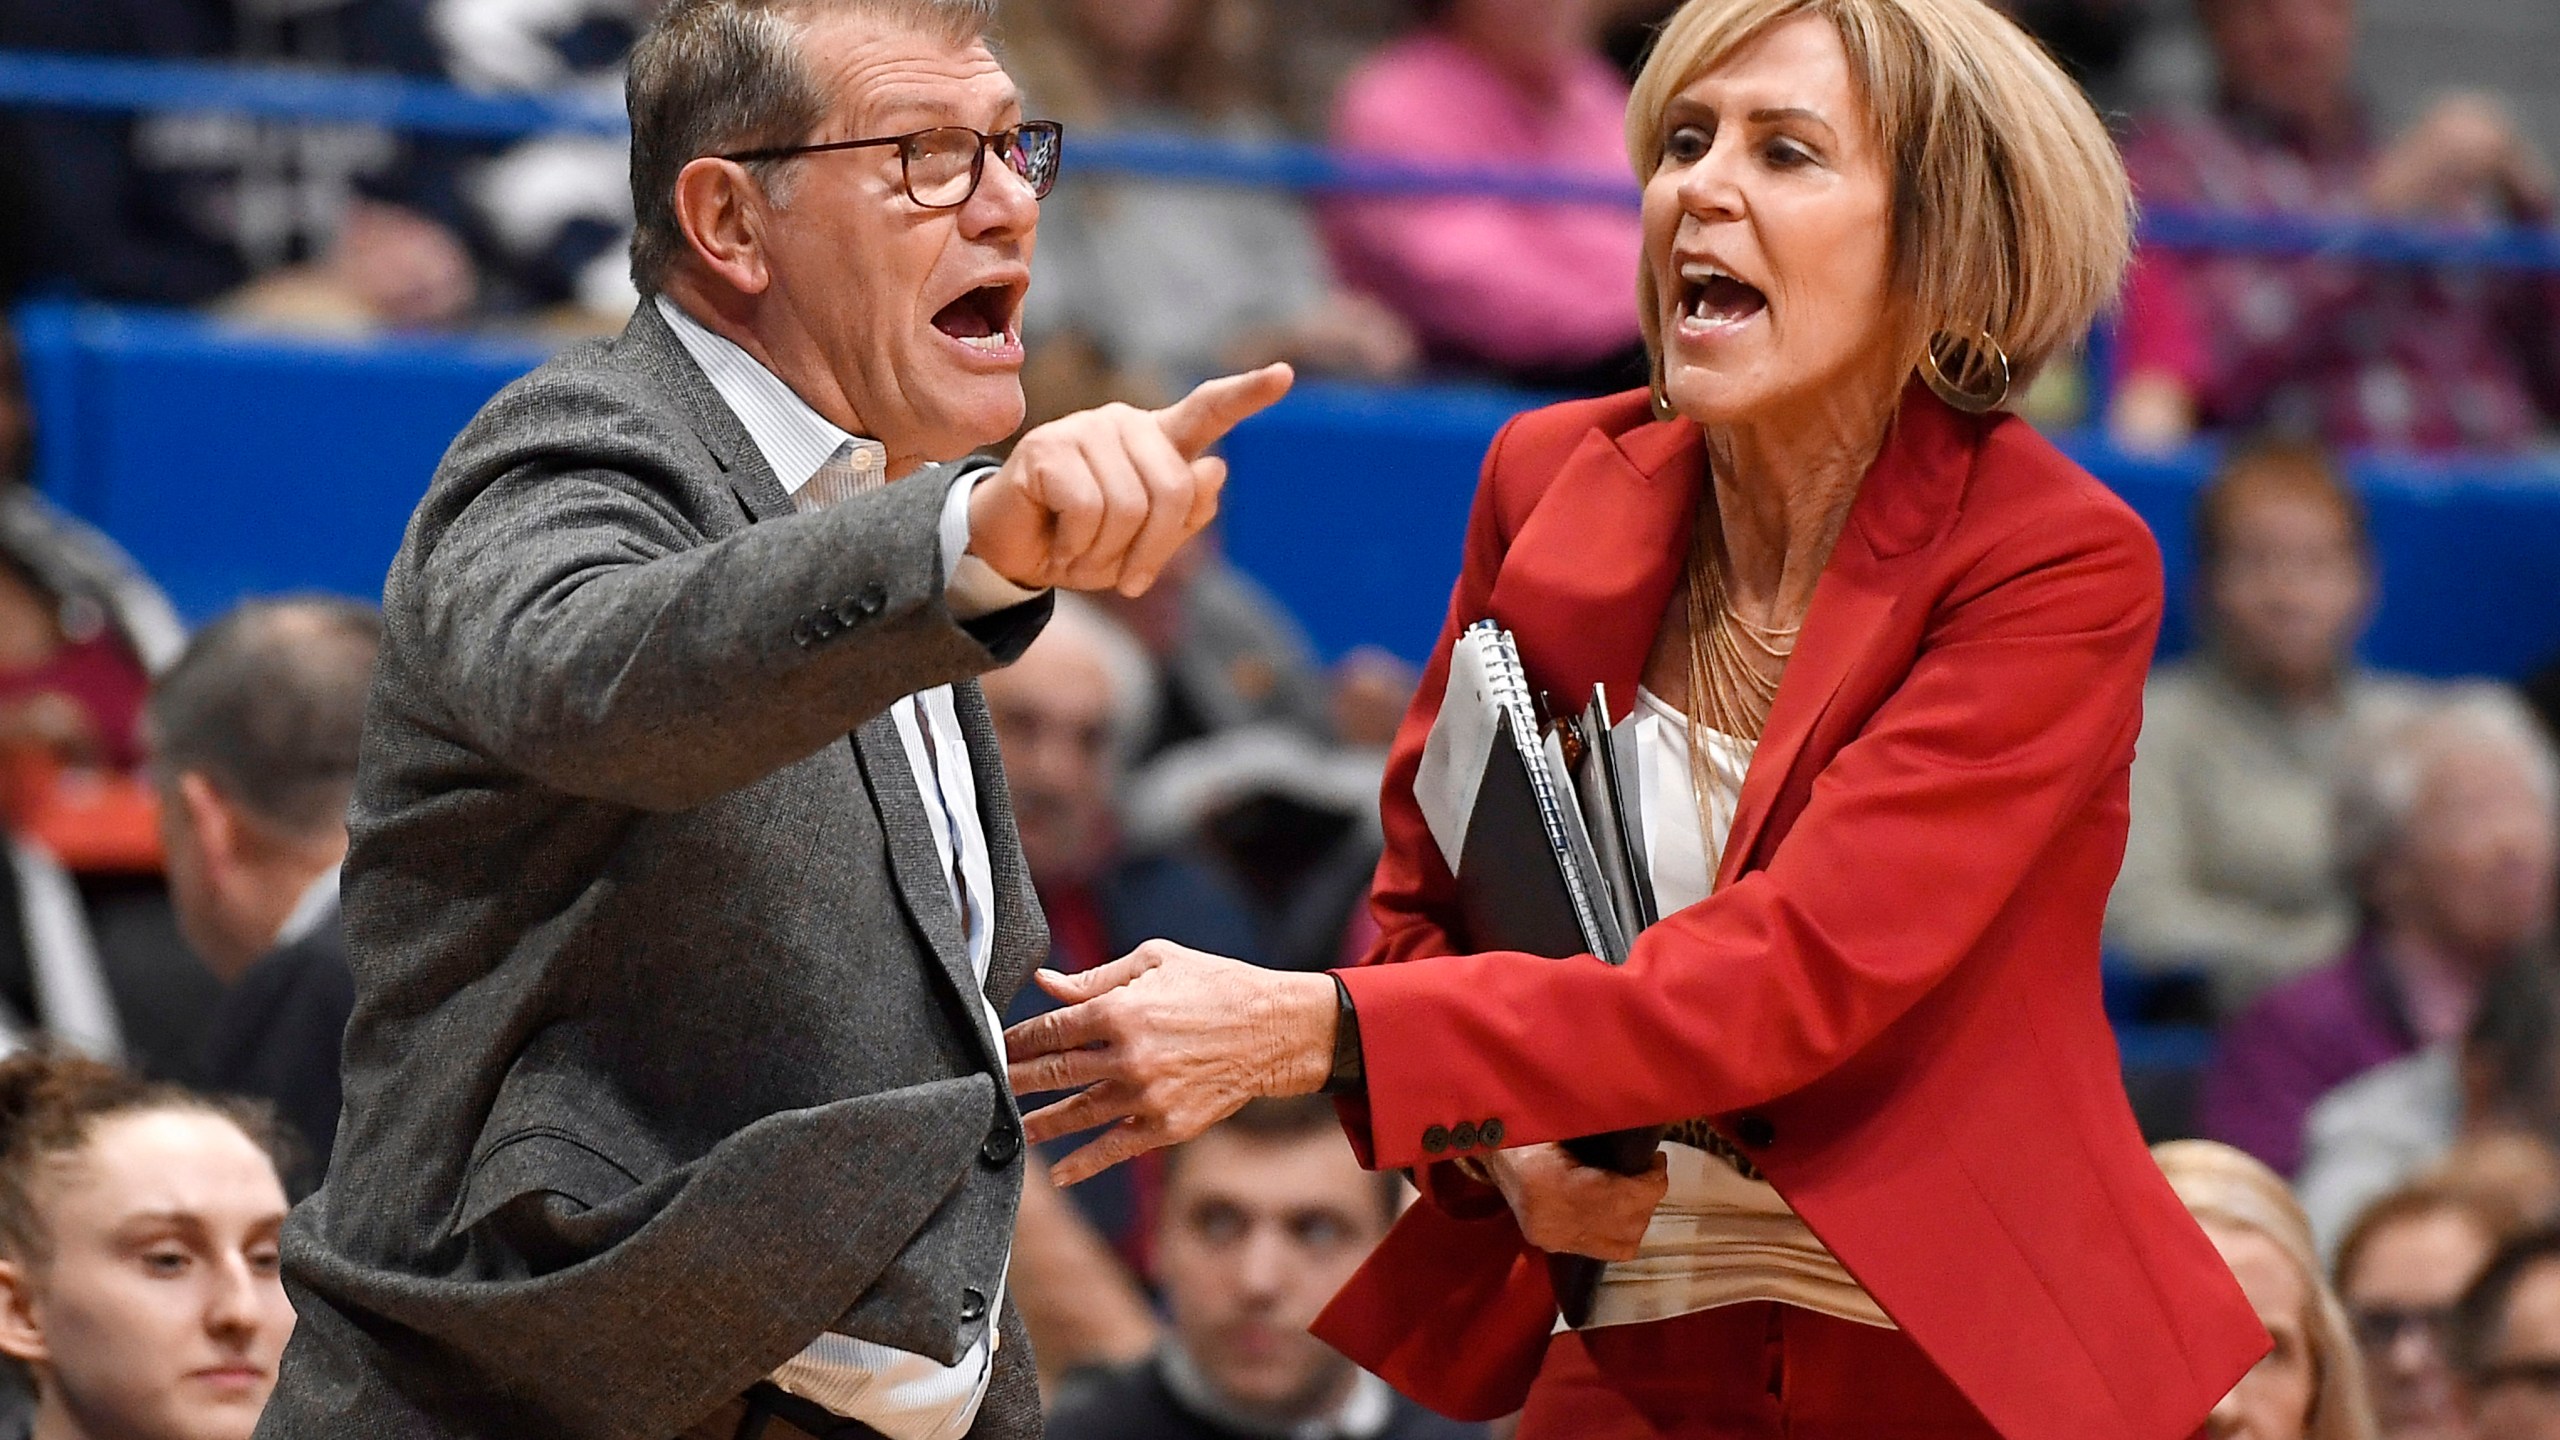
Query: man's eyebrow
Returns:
{"type": "Point", "coordinates": [932, 104]}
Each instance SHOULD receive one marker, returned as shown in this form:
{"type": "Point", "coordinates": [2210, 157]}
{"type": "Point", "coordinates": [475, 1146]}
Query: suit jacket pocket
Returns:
{"type": "Point", "coordinates": [549, 1200]}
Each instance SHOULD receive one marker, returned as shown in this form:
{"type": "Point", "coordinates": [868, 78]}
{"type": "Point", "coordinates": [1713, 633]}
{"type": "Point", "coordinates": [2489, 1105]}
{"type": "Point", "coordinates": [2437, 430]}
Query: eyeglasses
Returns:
{"type": "Point", "coordinates": [941, 166]}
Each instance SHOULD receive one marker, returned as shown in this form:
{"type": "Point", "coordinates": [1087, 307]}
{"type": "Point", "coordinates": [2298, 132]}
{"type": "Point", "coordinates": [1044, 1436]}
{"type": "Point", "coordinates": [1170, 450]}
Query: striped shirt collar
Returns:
{"type": "Point", "coordinates": [793, 438]}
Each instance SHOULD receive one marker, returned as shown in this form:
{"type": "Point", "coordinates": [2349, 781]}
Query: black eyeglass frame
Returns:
{"type": "Point", "coordinates": [1009, 138]}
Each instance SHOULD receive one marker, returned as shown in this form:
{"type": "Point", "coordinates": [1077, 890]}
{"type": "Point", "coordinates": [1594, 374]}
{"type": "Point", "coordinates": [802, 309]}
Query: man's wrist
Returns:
{"type": "Point", "coordinates": [970, 586]}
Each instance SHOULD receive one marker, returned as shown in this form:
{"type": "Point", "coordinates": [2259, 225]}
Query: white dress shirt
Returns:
{"type": "Point", "coordinates": [1718, 1237]}
{"type": "Point", "coordinates": [902, 1395]}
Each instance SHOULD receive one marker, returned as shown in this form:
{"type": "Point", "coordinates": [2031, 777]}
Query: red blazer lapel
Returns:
{"type": "Point", "coordinates": [1907, 499]}
{"type": "Point", "coordinates": [1585, 579]}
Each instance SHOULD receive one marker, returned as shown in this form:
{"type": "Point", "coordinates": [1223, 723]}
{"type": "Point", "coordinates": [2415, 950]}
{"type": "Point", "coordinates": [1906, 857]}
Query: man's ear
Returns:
{"type": "Point", "coordinates": [721, 209]}
{"type": "Point", "coordinates": [21, 1334]}
{"type": "Point", "coordinates": [216, 827]}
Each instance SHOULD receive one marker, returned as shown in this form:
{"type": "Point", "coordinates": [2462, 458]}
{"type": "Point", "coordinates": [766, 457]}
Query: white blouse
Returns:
{"type": "Point", "coordinates": [1719, 1237]}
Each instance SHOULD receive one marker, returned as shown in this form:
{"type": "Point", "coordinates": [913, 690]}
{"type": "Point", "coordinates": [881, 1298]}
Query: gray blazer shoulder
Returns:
{"type": "Point", "coordinates": [667, 1055]}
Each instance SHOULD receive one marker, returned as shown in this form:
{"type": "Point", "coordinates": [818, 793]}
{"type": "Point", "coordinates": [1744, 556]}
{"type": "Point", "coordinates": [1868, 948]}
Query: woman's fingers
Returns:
{"type": "Point", "coordinates": [1096, 1105]}
{"type": "Point", "coordinates": [1125, 1141]}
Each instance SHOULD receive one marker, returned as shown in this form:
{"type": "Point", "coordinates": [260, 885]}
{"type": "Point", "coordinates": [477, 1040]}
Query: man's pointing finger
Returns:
{"type": "Point", "coordinates": [1202, 418]}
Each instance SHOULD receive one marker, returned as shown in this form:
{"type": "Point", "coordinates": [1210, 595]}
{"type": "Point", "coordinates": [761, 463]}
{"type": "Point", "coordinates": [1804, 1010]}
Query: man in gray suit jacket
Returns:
{"type": "Point", "coordinates": [684, 885]}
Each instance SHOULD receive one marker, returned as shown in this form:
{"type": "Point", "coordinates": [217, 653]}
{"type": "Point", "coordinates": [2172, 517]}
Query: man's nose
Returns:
{"type": "Point", "coordinates": [1267, 1260]}
{"type": "Point", "coordinates": [1003, 205]}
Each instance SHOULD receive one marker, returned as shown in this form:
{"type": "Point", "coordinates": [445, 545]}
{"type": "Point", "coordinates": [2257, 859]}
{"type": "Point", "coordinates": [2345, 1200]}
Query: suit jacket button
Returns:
{"type": "Point", "coordinates": [1755, 1131]}
{"type": "Point", "coordinates": [1489, 1134]}
{"type": "Point", "coordinates": [1436, 1140]}
{"type": "Point", "coordinates": [1464, 1137]}
{"type": "Point", "coordinates": [822, 624]}
{"type": "Point", "coordinates": [800, 635]}
{"type": "Point", "coordinates": [873, 599]}
{"type": "Point", "coordinates": [1003, 1143]}
{"type": "Point", "coordinates": [973, 1305]}
{"type": "Point", "coordinates": [847, 612]}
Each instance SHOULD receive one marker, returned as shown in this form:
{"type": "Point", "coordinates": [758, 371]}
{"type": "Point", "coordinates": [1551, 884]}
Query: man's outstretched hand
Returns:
{"type": "Point", "coordinates": [1100, 499]}
{"type": "Point", "coordinates": [1163, 1043]}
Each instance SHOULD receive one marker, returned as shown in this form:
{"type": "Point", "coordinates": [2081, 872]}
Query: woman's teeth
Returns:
{"type": "Point", "coordinates": [997, 341]}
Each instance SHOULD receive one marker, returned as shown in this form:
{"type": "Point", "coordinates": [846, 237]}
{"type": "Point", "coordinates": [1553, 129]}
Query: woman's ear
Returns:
{"type": "Point", "coordinates": [720, 208]}
{"type": "Point", "coordinates": [21, 1333]}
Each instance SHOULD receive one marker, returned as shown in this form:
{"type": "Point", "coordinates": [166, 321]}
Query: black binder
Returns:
{"type": "Point", "coordinates": [1547, 851]}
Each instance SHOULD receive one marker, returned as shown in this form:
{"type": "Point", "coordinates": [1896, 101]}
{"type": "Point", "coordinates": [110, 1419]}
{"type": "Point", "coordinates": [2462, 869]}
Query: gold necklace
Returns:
{"type": "Point", "coordinates": [1728, 690]}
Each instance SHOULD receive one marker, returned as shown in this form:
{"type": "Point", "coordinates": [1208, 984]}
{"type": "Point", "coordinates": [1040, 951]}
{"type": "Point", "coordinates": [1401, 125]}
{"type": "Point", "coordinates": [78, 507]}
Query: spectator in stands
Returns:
{"type": "Point", "coordinates": [1226, 654]}
{"type": "Point", "coordinates": [1173, 280]}
{"type": "Point", "coordinates": [1067, 714]}
{"type": "Point", "coordinates": [2507, 1333]}
{"type": "Point", "coordinates": [552, 212]}
{"type": "Point", "coordinates": [1534, 293]}
{"type": "Point", "coordinates": [89, 952]}
{"type": "Point", "coordinates": [2449, 823]}
{"type": "Point", "coordinates": [2356, 354]}
{"type": "Point", "coordinates": [253, 737]}
{"type": "Point", "coordinates": [2311, 1385]}
{"type": "Point", "coordinates": [2230, 864]}
{"type": "Point", "coordinates": [332, 225]}
{"type": "Point", "coordinates": [138, 1235]}
{"type": "Point", "coordinates": [2400, 1271]}
{"type": "Point", "coordinates": [2390, 1125]}
{"type": "Point", "coordinates": [1265, 1216]}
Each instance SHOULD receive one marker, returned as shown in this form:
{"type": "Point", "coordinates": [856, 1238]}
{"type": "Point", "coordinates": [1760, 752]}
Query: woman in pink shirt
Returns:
{"type": "Point", "coordinates": [1535, 293]}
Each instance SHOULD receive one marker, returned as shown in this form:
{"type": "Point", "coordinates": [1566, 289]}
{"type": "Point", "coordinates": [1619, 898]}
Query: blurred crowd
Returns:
{"type": "Point", "coordinates": [2349, 876]}
{"type": "Point", "coordinates": [1146, 284]}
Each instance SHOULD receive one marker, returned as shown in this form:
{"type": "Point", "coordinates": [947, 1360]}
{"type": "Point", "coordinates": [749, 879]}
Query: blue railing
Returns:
{"type": "Point", "coordinates": [427, 108]}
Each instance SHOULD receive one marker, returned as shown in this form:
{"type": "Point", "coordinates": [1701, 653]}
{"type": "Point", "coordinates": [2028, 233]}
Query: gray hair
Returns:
{"type": "Point", "coordinates": [714, 76]}
{"type": "Point", "coordinates": [268, 704]}
{"type": "Point", "coordinates": [2388, 761]}
{"type": "Point", "coordinates": [1125, 667]}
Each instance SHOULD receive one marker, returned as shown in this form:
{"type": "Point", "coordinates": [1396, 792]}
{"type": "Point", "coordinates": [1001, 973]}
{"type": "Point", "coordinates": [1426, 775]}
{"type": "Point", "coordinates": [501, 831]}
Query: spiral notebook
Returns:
{"type": "Point", "coordinates": [1545, 841]}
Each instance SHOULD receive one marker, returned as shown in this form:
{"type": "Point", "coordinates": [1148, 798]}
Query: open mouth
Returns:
{"type": "Point", "coordinates": [984, 319]}
{"type": "Point", "coordinates": [1712, 297]}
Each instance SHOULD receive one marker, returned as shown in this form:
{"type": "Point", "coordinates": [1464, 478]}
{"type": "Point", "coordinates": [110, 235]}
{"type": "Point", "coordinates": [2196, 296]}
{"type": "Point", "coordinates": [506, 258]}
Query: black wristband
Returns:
{"type": "Point", "coordinates": [1350, 1074]}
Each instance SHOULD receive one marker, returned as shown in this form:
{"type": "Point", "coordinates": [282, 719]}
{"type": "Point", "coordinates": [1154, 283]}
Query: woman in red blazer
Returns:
{"type": "Point", "coordinates": [1890, 646]}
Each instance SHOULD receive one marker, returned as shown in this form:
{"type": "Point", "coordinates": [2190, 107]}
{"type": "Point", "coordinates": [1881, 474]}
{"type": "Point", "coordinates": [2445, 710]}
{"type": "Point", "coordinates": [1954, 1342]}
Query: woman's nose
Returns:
{"type": "Point", "coordinates": [1711, 190]}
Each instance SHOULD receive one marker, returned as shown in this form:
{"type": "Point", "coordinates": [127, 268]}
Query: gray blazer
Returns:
{"type": "Point", "coordinates": [664, 1059]}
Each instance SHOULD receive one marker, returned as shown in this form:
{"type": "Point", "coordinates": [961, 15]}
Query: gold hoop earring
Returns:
{"type": "Point", "coordinates": [1971, 375]}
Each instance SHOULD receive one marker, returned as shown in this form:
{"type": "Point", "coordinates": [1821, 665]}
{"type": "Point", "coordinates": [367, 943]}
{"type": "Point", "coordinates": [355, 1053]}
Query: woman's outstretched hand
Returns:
{"type": "Point", "coordinates": [1163, 1043]}
{"type": "Point", "coordinates": [1565, 1207]}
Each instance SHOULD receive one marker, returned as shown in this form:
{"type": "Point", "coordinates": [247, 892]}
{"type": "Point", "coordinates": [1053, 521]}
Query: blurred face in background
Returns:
{"type": "Point", "coordinates": [1256, 1235]}
{"type": "Point", "coordinates": [2289, 591]}
{"type": "Point", "coordinates": [1053, 719]}
{"type": "Point", "coordinates": [2400, 1294]}
{"type": "Point", "coordinates": [1768, 226]}
{"type": "Point", "coordinates": [2272, 1401]}
{"type": "Point", "coordinates": [2295, 58]}
{"type": "Point", "coordinates": [158, 1314]}
{"type": "Point", "coordinates": [2475, 869]}
{"type": "Point", "coordinates": [2516, 1395]}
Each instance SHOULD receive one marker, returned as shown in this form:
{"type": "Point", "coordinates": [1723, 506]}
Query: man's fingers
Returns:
{"type": "Point", "coordinates": [1172, 499]}
{"type": "Point", "coordinates": [1202, 418]}
{"type": "Point", "coordinates": [1125, 503]}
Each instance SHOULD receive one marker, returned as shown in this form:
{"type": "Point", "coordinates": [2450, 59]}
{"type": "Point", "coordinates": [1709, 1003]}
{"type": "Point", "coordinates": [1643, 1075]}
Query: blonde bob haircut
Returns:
{"type": "Point", "coordinates": [2226, 1187]}
{"type": "Point", "coordinates": [2012, 214]}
